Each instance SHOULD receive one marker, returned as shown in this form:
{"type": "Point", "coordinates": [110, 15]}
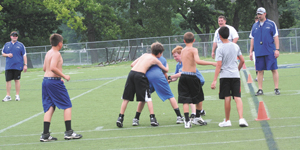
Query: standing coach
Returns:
{"type": "Point", "coordinates": [16, 62]}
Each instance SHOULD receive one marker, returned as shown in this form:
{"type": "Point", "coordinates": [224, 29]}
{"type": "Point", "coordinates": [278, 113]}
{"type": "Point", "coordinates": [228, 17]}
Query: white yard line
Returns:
{"type": "Point", "coordinates": [170, 134]}
{"type": "Point", "coordinates": [21, 122]}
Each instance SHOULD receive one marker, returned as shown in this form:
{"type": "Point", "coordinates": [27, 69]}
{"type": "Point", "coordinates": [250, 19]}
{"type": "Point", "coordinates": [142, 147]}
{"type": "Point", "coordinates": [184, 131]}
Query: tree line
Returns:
{"type": "Point", "coordinates": [99, 20]}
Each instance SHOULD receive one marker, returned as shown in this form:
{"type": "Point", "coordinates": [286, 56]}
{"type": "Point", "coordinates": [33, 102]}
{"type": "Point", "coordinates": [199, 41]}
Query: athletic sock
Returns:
{"type": "Point", "coordinates": [68, 125]}
{"type": "Point", "coordinates": [198, 113]}
{"type": "Point", "coordinates": [137, 115]}
{"type": "Point", "coordinates": [46, 127]}
{"type": "Point", "coordinates": [177, 111]}
{"type": "Point", "coordinates": [152, 116]}
{"type": "Point", "coordinates": [121, 115]}
{"type": "Point", "coordinates": [187, 118]}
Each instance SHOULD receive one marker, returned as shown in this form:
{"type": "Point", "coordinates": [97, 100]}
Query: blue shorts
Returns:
{"type": "Point", "coordinates": [162, 88]}
{"type": "Point", "coordinates": [54, 93]}
{"type": "Point", "coordinates": [268, 62]}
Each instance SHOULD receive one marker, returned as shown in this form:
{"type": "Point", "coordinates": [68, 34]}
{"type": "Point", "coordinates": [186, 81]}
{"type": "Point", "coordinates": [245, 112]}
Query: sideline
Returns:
{"type": "Point", "coordinates": [21, 122]}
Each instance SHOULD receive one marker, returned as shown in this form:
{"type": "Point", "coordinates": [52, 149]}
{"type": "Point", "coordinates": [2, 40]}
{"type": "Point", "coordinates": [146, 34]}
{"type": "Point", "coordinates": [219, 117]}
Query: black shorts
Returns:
{"type": "Point", "coordinates": [12, 75]}
{"type": "Point", "coordinates": [190, 89]}
{"type": "Point", "coordinates": [230, 87]}
{"type": "Point", "coordinates": [137, 83]}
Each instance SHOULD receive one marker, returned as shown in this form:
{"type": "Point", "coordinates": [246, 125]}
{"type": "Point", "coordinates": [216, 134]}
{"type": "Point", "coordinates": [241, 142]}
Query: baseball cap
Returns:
{"type": "Point", "coordinates": [261, 10]}
{"type": "Point", "coordinates": [14, 33]}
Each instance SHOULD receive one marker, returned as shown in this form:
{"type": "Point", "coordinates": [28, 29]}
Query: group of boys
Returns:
{"type": "Point", "coordinates": [149, 74]}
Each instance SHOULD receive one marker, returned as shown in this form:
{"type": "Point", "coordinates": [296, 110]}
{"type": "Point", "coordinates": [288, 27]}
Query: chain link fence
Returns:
{"type": "Point", "coordinates": [114, 51]}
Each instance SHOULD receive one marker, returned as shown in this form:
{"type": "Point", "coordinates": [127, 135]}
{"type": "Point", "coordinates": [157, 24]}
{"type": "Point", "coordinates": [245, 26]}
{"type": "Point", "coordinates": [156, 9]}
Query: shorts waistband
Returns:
{"type": "Point", "coordinates": [52, 78]}
{"type": "Point", "coordinates": [188, 73]}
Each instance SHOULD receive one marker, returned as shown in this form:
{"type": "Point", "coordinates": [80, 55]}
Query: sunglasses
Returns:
{"type": "Point", "coordinates": [14, 34]}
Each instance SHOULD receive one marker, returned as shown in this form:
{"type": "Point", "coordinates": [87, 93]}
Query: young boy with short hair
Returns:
{"type": "Point", "coordinates": [54, 92]}
{"type": "Point", "coordinates": [189, 86]}
{"type": "Point", "coordinates": [230, 84]}
{"type": "Point", "coordinates": [137, 82]}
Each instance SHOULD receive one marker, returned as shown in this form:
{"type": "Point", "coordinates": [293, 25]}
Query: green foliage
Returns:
{"type": "Point", "coordinates": [30, 18]}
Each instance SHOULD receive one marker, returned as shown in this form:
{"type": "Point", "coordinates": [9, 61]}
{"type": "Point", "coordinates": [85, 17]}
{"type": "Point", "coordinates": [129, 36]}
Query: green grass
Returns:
{"type": "Point", "coordinates": [96, 96]}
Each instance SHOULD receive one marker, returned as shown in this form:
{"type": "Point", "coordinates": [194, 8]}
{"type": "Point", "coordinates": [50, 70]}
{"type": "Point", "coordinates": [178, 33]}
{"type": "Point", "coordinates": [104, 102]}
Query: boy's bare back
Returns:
{"type": "Point", "coordinates": [52, 58]}
{"type": "Point", "coordinates": [187, 58]}
{"type": "Point", "coordinates": [144, 62]}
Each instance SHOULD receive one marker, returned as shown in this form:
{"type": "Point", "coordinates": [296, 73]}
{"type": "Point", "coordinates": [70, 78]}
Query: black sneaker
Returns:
{"type": "Point", "coordinates": [47, 138]}
{"type": "Point", "coordinates": [202, 113]}
{"type": "Point", "coordinates": [259, 92]}
{"type": "Point", "coordinates": [192, 117]}
{"type": "Point", "coordinates": [154, 122]}
{"type": "Point", "coordinates": [120, 122]}
{"type": "Point", "coordinates": [277, 92]}
{"type": "Point", "coordinates": [72, 135]}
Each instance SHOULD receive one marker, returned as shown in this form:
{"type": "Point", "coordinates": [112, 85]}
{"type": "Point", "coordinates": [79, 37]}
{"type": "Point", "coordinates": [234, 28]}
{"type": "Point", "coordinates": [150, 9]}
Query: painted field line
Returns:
{"type": "Point", "coordinates": [136, 128]}
{"type": "Point", "coordinates": [14, 125]}
{"type": "Point", "coordinates": [159, 135]}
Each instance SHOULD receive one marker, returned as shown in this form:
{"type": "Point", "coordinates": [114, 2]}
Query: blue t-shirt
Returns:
{"type": "Point", "coordinates": [264, 34]}
{"type": "Point", "coordinates": [198, 74]}
{"type": "Point", "coordinates": [158, 81]}
{"type": "Point", "coordinates": [18, 50]}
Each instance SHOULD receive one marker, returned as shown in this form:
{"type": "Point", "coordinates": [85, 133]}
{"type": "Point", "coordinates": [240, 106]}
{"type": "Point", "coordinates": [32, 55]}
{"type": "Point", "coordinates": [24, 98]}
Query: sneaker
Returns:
{"type": "Point", "coordinates": [259, 92]}
{"type": "Point", "coordinates": [202, 113]}
{"type": "Point", "coordinates": [120, 122]}
{"type": "Point", "coordinates": [154, 122]}
{"type": "Point", "coordinates": [199, 121]}
{"type": "Point", "coordinates": [6, 98]}
{"type": "Point", "coordinates": [135, 122]}
{"type": "Point", "coordinates": [243, 123]}
{"type": "Point", "coordinates": [225, 123]}
{"type": "Point", "coordinates": [47, 138]}
{"type": "Point", "coordinates": [72, 135]}
{"type": "Point", "coordinates": [188, 124]}
{"type": "Point", "coordinates": [180, 119]}
{"type": "Point", "coordinates": [277, 92]}
{"type": "Point", "coordinates": [256, 79]}
{"type": "Point", "coordinates": [192, 117]}
{"type": "Point", "coordinates": [18, 98]}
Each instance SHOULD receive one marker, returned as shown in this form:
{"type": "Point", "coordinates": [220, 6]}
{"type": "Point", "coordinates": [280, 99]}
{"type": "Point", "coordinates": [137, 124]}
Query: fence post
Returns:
{"type": "Point", "coordinates": [41, 59]}
{"type": "Point", "coordinates": [170, 48]}
{"type": "Point", "coordinates": [80, 56]}
{"type": "Point", "coordinates": [290, 45]}
{"type": "Point", "coordinates": [296, 40]}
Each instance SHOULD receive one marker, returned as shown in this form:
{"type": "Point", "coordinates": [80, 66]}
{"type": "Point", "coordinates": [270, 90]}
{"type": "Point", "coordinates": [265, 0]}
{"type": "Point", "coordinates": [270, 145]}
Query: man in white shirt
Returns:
{"type": "Point", "coordinates": [233, 35]}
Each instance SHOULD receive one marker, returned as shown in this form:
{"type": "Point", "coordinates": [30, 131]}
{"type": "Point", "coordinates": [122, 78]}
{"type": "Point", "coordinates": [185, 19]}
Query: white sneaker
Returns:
{"type": "Point", "coordinates": [199, 121]}
{"type": "Point", "coordinates": [6, 98]}
{"type": "Point", "coordinates": [18, 98]}
{"type": "Point", "coordinates": [135, 122]}
{"type": "Point", "coordinates": [225, 123]}
{"type": "Point", "coordinates": [179, 120]}
{"type": "Point", "coordinates": [187, 125]}
{"type": "Point", "coordinates": [243, 123]}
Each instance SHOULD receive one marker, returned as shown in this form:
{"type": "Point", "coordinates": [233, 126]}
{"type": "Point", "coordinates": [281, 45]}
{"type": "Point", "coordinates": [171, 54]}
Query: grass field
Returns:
{"type": "Point", "coordinates": [96, 96]}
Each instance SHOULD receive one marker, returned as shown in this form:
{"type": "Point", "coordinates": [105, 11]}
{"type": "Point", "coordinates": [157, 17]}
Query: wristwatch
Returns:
{"type": "Point", "coordinates": [277, 49]}
{"type": "Point", "coordinates": [25, 64]}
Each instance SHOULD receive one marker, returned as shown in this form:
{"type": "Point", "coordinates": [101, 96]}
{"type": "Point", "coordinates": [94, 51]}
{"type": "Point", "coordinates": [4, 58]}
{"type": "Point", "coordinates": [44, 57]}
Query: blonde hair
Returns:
{"type": "Point", "coordinates": [177, 49]}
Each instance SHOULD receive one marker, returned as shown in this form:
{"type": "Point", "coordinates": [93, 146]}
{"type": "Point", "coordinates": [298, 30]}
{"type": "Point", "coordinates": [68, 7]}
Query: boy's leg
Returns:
{"type": "Point", "coordinates": [239, 106]}
{"type": "Point", "coordinates": [176, 109]}
{"type": "Point", "coordinates": [121, 115]}
{"type": "Point", "coordinates": [69, 134]}
{"type": "Point", "coordinates": [8, 87]}
{"type": "Point", "coordinates": [152, 116]}
{"type": "Point", "coordinates": [135, 121]}
{"type": "Point", "coordinates": [17, 86]}
{"type": "Point", "coordinates": [187, 122]}
{"type": "Point", "coordinates": [46, 137]}
{"type": "Point", "coordinates": [227, 107]}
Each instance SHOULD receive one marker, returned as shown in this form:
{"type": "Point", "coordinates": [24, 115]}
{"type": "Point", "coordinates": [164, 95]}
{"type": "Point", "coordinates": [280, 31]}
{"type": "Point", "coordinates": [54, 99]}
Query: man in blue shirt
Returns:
{"type": "Point", "coordinates": [264, 39]}
{"type": "Point", "coordinates": [16, 62]}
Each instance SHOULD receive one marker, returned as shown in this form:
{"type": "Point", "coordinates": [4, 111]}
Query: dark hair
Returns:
{"type": "Point", "coordinates": [222, 17]}
{"type": "Point", "coordinates": [188, 37]}
{"type": "Point", "coordinates": [13, 33]}
{"type": "Point", "coordinates": [224, 32]}
{"type": "Point", "coordinates": [55, 39]}
{"type": "Point", "coordinates": [157, 48]}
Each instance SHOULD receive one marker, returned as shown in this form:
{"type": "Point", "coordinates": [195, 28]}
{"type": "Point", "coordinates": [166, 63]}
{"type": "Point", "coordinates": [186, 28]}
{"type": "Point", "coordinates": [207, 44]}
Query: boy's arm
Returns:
{"type": "Point", "coordinates": [54, 69]}
{"type": "Point", "coordinates": [134, 63]}
{"type": "Point", "coordinates": [175, 77]}
{"type": "Point", "coordinates": [201, 62]}
{"type": "Point", "coordinates": [242, 61]}
{"type": "Point", "coordinates": [160, 65]}
{"type": "Point", "coordinates": [217, 71]}
{"type": "Point", "coordinates": [251, 49]}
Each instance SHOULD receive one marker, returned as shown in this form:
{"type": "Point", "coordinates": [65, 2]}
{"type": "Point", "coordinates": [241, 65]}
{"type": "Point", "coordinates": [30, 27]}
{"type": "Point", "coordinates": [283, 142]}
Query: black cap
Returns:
{"type": "Point", "coordinates": [13, 34]}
